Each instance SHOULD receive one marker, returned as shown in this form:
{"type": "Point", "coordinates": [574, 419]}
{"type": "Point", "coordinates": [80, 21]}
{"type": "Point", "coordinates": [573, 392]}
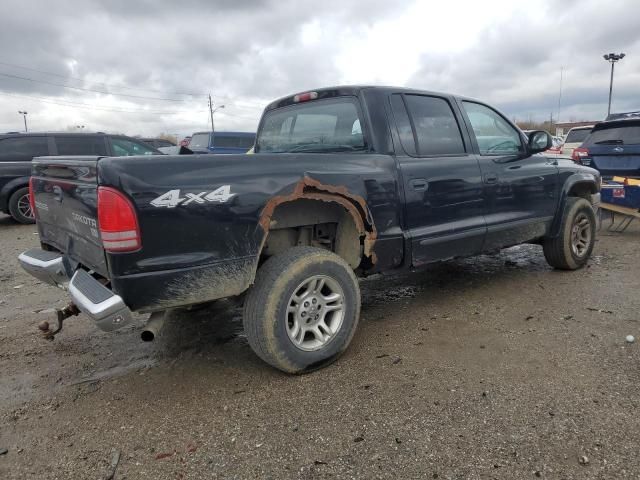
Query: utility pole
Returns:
{"type": "Point", "coordinates": [612, 58]}
{"type": "Point", "coordinates": [24, 116]}
{"type": "Point", "coordinates": [560, 94]}
{"type": "Point", "coordinates": [211, 112]}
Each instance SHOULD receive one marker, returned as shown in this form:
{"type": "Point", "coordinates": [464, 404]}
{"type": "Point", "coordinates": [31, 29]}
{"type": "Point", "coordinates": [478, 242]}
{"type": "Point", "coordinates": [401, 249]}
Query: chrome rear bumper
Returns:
{"type": "Point", "coordinates": [45, 266]}
{"type": "Point", "coordinates": [91, 297]}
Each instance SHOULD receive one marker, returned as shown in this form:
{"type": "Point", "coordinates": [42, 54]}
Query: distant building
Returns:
{"type": "Point", "coordinates": [564, 127]}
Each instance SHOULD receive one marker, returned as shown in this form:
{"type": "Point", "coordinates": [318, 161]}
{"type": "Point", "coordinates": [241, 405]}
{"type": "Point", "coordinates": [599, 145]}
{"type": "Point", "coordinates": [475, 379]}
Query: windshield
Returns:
{"type": "Point", "coordinates": [622, 135]}
{"type": "Point", "coordinates": [200, 141]}
{"type": "Point", "coordinates": [321, 126]}
{"type": "Point", "coordinates": [577, 135]}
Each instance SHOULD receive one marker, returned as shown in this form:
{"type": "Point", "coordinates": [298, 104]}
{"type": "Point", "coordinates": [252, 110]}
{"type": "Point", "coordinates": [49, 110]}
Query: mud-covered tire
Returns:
{"type": "Point", "coordinates": [19, 206]}
{"type": "Point", "coordinates": [271, 309]}
{"type": "Point", "coordinates": [572, 247]}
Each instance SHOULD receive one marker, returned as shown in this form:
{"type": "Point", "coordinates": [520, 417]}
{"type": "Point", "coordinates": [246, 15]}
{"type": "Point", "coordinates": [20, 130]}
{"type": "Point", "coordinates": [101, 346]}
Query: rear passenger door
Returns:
{"type": "Point", "coordinates": [444, 203]}
{"type": "Point", "coordinates": [521, 189]}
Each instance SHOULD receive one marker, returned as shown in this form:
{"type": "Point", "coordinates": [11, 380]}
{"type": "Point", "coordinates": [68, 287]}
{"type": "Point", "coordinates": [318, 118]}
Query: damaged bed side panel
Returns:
{"type": "Point", "coordinates": [205, 217]}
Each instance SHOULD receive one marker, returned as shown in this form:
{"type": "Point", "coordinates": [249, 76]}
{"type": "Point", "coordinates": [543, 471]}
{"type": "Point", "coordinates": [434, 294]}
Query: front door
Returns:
{"type": "Point", "coordinates": [521, 190]}
{"type": "Point", "coordinates": [444, 203]}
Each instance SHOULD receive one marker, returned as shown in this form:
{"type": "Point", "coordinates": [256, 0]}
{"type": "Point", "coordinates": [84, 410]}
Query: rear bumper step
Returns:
{"type": "Point", "coordinates": [92, 298]}
{"type": "Point", "coordinates": [45, 266]}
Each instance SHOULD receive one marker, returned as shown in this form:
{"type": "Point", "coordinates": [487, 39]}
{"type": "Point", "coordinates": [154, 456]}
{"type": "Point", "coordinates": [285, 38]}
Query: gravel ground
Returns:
{"type": "Point", "coordinates": [492, 367]}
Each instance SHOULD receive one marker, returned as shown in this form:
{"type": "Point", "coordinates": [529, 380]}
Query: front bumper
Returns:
{"type": "Point", "coordinates": [92, 298]}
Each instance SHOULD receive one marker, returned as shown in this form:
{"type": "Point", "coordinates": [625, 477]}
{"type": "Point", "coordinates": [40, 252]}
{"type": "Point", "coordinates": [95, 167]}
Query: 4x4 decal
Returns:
{"type": "Point", "coordinates": [172, 198]}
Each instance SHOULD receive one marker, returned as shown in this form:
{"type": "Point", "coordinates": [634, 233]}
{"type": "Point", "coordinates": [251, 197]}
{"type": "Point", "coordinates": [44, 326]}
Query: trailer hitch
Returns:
{"type": "Point", "coordinates": [61, 313]}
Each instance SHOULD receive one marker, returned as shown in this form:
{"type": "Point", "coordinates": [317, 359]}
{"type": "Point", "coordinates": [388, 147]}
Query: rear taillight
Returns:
{"type": "Point", "coordinates": [117, 221]}
{"type": "Point", "coordinates": [580, 154]}
{"type": "Point", "coordinates": [32, 196]}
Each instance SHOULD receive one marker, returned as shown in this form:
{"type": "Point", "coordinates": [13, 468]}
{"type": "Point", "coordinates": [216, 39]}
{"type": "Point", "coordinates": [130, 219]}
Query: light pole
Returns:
{"type": "Point", "coordinates": [612, 58]}
{"type": "Point", "coordinates": [212, 112]}
{"type": "Point", "coordinates": [24, 116]}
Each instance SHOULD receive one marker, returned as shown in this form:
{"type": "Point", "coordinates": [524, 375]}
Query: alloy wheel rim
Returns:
{"type": "Point", "coordinates": [580, 235]}
{"type": "Point", "coordinates": [315, 312]}
{"type": "Point", "coordinates": [24, 206]}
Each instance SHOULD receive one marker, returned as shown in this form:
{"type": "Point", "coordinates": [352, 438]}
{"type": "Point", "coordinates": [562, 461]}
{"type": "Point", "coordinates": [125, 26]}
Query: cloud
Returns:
{"type": "Point", "coordinates": [516, 64]}
{"type": "Point", "coordinates": [248, 52]}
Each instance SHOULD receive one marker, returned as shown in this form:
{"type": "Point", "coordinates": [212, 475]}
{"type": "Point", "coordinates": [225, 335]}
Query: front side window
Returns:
{"type": "Point", "coordinates": [80, 145]}
{"type": "Point", "coordinates": [318, 126]}
{"type": "Point", "coordinates": [127, 148]}
{"type": "Point", "coordinates": [495, 136]}
{"type": "Point", "coordinates": [18, 149]}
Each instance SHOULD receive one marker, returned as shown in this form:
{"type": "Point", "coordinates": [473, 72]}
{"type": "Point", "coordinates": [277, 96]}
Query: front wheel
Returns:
{"type": "Point", "coordinates": [572, 247]}
{"type": "Point", "coordinates": [303, 309]}
{"type": "Point", "coordinates": [20, 206]}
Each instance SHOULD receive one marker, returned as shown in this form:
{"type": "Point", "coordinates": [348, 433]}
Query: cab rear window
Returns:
{"type": "Point", "coordinates": [321, 126]}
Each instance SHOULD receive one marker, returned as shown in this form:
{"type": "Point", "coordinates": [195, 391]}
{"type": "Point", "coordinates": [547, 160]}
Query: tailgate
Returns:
{"type": "Point", "coordinates": [65, 190]}
{"type": "Point", "coordinates": [620, 160]}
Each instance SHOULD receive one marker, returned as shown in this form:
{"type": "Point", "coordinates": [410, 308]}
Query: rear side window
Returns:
{"type": "Point", "coordinates": [17, 149]}
{"type": "Point", "coordinates": [332, 125]}
{"type": "Point", "coordinates": [227, 141]}
{"type": "Point", "coordinates": [618, 135]}
{"type": "Point", "coordinates": [81, 145]}
{"type": "Point", "coordinates": [200, 140]}
{"type": "Point", "coordinates": [403, 125]}
{"type": "Point", "coordinates": [126, 148]}
{"type": "Point", "coordinates": [577, 136]}
{"type": "Point", "coordinates": [436, 129]}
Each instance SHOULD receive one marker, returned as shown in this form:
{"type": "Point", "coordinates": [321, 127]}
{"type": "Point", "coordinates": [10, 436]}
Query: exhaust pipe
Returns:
{"type": "Point", "coordinates": [153, 327]}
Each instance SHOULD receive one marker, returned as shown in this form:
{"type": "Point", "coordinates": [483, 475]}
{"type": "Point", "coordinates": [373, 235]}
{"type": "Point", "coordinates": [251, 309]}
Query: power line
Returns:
{"type": "Point", "coordinates": [94, 107]}
{"type": "Point", "coordinates": [239, 104]}
{"type": "Point", "coordinates": [101, 83]}
{"type": "Point", "coordinates": [89, 89]}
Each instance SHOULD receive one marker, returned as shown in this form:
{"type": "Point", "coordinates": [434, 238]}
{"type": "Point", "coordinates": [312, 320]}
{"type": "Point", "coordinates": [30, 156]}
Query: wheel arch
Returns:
{"type": "Point", "coordinates": [581, 185]}
{"type": "Point", "coordinates": [313, 203]}
{"type": "Point", "coordinates": [9, 189]}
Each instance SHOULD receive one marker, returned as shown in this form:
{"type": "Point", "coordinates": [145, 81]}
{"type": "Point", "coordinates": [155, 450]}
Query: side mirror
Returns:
{"type": "Point", "coordinates": [539, 141]}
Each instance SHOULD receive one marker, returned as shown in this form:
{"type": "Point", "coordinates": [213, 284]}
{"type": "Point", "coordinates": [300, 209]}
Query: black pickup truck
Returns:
{"type": "Point", "coordinates": [344, 182]}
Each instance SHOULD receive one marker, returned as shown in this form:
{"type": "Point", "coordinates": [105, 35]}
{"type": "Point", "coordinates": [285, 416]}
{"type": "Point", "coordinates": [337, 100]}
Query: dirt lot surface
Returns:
{"type": "Point", "coordinates": [492, 367]}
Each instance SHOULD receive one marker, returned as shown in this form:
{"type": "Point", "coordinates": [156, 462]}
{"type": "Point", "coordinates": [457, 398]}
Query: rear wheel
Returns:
{"type": "Point", "coordinates": [303, 309]}
{"type": "Point", "coordinates": [20, 206]}
{"type": "Point", "coordinates": [572, 248]}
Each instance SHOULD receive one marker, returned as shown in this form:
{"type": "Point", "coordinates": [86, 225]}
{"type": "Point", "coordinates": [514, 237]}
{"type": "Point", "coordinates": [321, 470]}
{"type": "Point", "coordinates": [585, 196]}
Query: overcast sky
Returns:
{"type": "Point", "coordinates": [156, 60]}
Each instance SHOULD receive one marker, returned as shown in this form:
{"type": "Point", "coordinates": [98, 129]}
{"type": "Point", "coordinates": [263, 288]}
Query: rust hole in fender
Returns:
{"type": "Point", "coordinates": [314, 190]}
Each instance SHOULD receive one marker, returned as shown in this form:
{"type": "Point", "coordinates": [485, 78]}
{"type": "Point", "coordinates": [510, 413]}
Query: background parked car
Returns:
{"type": "Point", "coordinates": [222, 142]}
{"type": "Point", "coordinates": [574, 139]}
{"type": "Point", "coordinates": [612, 148]}
{"type": "Point", "coordinates": [158, 142]}
{"type": "Point", "coordinates": [18, 149]}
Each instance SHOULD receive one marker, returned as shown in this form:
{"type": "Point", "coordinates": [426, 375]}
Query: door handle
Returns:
{"type": "Point", "coordinates": [491, 178]}
{"type": "Point", "coordinates": [419, 184]}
